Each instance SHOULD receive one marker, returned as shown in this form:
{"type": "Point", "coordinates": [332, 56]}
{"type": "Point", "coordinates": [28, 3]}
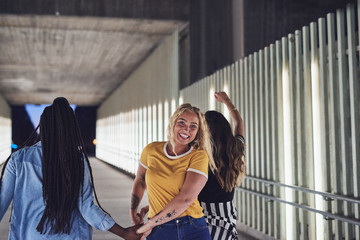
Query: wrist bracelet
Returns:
{"type": "Point", "coordinates": [234, 109]}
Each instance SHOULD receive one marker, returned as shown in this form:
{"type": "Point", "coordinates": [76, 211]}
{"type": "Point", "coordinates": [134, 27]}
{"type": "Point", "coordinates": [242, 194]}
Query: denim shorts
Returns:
{"type": "Point", "coordinates": [183, 228]}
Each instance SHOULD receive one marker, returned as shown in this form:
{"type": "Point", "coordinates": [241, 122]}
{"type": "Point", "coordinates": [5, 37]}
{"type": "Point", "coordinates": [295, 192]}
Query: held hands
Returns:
{"type": "Point", "coordinates": [145, 230]}
{"type": "Point", "coordinates": [221, 97]}
{"type": "Point", "coordinates": [138, 218]}
{"type": "Point", "coordinates": [130, 233]}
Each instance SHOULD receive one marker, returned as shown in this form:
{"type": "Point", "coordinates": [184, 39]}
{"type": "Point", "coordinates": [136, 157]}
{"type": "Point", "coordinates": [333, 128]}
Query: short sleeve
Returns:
{"type": "Point", "coordinates": [143, 157]}
{"type": "Point", "coordinates": [199, 163]}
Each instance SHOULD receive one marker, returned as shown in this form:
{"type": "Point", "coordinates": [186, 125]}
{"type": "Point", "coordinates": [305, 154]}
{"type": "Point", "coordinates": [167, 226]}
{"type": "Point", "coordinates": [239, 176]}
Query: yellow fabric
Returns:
{"type": "Point", "coordinates": [165, 177]}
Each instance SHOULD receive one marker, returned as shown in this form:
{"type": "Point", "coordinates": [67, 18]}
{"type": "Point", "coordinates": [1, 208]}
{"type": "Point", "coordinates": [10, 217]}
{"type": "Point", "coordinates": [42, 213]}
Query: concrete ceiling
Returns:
{"type": "Point", "coordinates": [81, 58]}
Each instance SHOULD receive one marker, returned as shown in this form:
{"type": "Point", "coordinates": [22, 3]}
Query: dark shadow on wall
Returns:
{"type": "Point", "coordinates": [86, 117]}
{"type": "Point", "coordinates": [21, 125]}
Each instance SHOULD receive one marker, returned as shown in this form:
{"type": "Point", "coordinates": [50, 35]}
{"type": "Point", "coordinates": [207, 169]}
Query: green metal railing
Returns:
{"type": "Point", "coordinates": [298, 98]}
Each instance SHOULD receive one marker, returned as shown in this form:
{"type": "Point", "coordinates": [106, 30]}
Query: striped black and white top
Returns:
{"type": "Point", "coordinates": [221, 220]}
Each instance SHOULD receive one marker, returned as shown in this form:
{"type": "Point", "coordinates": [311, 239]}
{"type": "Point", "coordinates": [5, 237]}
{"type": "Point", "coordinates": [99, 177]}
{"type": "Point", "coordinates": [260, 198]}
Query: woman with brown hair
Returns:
{"type": "Point", "coordinates": [229, 157]}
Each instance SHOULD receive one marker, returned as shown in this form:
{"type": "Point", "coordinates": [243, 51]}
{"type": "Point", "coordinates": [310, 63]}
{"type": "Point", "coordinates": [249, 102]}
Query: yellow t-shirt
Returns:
{"type": "Point", "coordinates": [165, 175]}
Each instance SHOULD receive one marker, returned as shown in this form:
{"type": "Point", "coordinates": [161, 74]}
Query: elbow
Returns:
{"type": "Point", "coordinates": [188, 200]}
{"type": "Point", "coordinates": [139, 184]}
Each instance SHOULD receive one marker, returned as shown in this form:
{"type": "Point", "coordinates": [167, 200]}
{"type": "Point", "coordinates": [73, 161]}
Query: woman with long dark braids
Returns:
{"type": "Point", "coordinates": [51, 184]}
{"type": "Point", "coordinates": [229, 156]}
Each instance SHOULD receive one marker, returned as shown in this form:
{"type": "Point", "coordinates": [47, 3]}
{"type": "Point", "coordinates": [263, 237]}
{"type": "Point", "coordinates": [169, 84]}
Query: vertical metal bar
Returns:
{"type": "Point", "coordinates": [345, 124]}
{"type": "Point", "coordinates": [300, 137]}
{"type": "Point", "coordinates": [293, 124]}
{"type": "Point", "coordinates": [145, 128]}
{"type": "Point", "coordinates": [204, 95]}
{"type": "Point", "coordinates": [281, 228]}
{"type": "Point", "coordinates": [237, 79]}
{"type": "Point", "coordinates": [317, 135]}
{"type": "Point", "coordinates": [233, 80]}
{"type": "Point", "coordinates": [309, 181]}
{"type": "Point", "coordinates": [251, 141]}
{"type": "Point", "coordinates": [241, 90]}
{"type": "Point", "coordinates": [207, 94]}
{"type": "Point", "coordinates": [324, 114]}
{"type": "Point", "coordinates": [268, 157]}
{"type": "Point", "coordinates": [149, 127]}
{"type": "Point", "coordinates": [199, 94]}
{"type": "Point", "coordinates": [334, 131]}
{"type": "Point", "coordinates": [154, 122]}
{"type": "Point", "coordinates": [252, 137]}
{"type": "Point", "coordinates": [141, 130]}
{"type": "Point", "coordinates": [262, 137]}
{"type": "Point", "coordinates": [247, 132]}
{"type": "Point", "coordinates": [241, 103]}
{"type": "Point", "coordinates": [226, 87]}
{"type": "Point", "coordinates": [287, 164]}
{"type": "Point", "coordinates": [218, 80]}
{"type": "Point", "coordinates": [214, 86]}
{"type": "Point", "coordinates": [354, 108]}
{"type": "Point", "coordinates": [136, 137]}
{"type": "Point", "coordinates": [256, 133]}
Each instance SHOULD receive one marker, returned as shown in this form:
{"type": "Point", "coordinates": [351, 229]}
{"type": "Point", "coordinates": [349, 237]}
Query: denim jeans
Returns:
{"type": "Point", "coordinates": [184, 228]}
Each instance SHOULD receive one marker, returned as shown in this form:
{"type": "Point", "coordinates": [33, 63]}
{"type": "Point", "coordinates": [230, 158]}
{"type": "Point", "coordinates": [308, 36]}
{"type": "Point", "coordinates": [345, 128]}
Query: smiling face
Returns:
{"type": "Point", "coordinates": [185, 128]}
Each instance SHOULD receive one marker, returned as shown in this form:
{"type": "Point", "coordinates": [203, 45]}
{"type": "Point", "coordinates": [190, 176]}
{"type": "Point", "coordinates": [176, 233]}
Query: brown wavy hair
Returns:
{"type": "Point", "coordinates": [228, 152]}
{"type": "Point", "coordinates": [202, 140]}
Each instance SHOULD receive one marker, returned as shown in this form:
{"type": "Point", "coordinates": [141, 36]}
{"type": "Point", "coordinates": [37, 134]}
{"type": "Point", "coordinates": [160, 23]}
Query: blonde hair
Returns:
{"type": "Point", "coordinates": [202, 140]}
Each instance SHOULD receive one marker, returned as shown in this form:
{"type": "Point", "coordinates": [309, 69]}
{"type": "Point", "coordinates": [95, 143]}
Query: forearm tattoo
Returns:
{"type": "Point", "coordinates": [134, 201]}
{"type": "Point", "coordinates": [163, 218]}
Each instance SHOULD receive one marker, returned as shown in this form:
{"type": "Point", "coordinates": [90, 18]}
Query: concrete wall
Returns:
{"type": "Point", "coordinates": [137, 112]}
{"type": "Point", "coordinates": [5, 130]}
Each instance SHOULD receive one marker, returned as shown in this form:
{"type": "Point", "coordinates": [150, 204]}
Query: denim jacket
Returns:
{"type": "Point", "coordinates": [22, 183]}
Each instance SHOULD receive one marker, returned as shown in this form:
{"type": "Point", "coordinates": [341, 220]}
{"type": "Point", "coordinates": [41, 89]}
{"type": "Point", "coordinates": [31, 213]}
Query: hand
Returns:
{"type": "Point", "coordinates": [130, 233]}
{"type": "Point", "coordinates": [145, 228]}
{"type": "Point", "coordinates": [135, 218]}
{"type": "Point", "coordinates": [145, 234]}
{"type": "Point", "coordinates": [142, 213]}
{"type": "Point", "coordinates": [138, 218]}
{"type": "Point", "coordinates": [221, 97]}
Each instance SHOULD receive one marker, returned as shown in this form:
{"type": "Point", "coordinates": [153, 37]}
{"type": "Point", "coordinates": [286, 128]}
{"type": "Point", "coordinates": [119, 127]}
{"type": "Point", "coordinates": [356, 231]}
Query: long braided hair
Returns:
{"type": "Point", "coordinates": [63, 157]}
{"type": "Point", "coordinates": [228, 152]}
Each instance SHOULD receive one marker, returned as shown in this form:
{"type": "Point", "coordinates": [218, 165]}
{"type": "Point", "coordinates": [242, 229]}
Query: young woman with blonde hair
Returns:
{"type": "Point", "coordinates": [174, 172]}
{"type": "Point", "coordinates": [228, 153]}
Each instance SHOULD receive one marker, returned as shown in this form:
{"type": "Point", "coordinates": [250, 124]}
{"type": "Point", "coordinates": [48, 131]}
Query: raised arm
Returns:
{"type": "Point", "coordinates": [234, 113]}
{"type": "Point", "coordinates": [138, 190]}
{"type": "Point", "coordinates": [191, 188]}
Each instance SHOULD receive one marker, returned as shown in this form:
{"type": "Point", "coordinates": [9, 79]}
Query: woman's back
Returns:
{"type": "Point", "coordinates": [22, 181]}
{"type": "Point", "coordinates": [214, 192]}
